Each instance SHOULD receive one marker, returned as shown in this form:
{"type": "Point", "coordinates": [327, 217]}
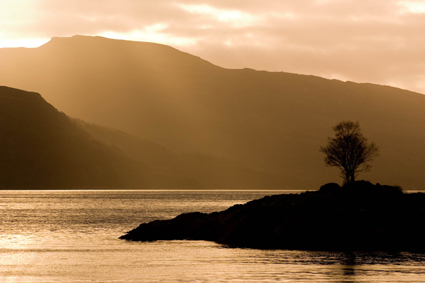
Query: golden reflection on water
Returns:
{"type": "Point", "coordinates": [194, 261]}
{"type": "Point", "coordinates": [17, 242]}
{"type": "Point", "coordinates": [73, 237]}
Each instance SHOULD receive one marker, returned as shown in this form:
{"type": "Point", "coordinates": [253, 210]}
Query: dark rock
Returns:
{"type": "Point", "coordinates": [329, 188]}
{"type": "Point", "coordinates": [358, 216]}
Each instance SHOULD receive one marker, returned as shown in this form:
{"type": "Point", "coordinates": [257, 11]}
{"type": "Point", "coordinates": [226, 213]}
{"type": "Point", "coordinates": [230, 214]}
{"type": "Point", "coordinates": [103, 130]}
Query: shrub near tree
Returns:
{"type": "Point", "coordinates": [349, 151]}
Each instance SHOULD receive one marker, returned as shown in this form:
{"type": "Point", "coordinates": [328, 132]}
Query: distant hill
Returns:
{"type": "Point", "coordinates": [170, 170]}
{"type": "Point", "coordinates": [41, 147]}
{"type": "Point", "coordinates": [269, 122]}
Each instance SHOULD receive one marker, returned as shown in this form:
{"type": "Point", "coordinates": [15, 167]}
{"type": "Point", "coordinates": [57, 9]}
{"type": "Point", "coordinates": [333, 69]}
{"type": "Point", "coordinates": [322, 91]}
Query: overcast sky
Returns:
{"type": "Point", "coordinates": [378, 41]}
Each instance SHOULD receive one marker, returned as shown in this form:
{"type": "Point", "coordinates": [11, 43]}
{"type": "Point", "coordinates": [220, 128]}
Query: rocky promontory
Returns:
{"type": "Point", "coordinates": [357, 216]}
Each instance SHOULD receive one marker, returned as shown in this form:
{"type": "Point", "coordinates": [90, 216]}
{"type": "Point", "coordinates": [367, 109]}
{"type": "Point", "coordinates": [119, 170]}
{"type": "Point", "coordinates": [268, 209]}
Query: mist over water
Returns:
{"type": "Point", "coordinates": [72, 236]}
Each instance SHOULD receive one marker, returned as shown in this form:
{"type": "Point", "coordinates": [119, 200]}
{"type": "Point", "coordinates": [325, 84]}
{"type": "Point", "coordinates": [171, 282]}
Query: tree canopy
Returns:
{"type": "Point", "coordinates": [349, 150]}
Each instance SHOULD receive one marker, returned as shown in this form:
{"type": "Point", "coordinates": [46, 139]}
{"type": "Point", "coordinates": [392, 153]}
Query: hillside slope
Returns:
{"type": "Point", "coordinates": [274, 122]}
{"type": "Point", "coordinates": [42, 147]}
{"type": "Point", "coordinates": [170, 170]}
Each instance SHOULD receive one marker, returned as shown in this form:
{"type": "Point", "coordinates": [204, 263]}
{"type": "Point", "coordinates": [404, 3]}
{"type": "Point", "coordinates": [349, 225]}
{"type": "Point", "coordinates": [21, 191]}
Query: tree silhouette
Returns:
{"type": "Point", "coordinates": [349, 150]}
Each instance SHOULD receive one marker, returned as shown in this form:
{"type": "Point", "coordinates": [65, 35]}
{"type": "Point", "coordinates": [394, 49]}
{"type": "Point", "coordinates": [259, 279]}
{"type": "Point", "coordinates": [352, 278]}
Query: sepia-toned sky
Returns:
{"type": "Point", "coordinates": [378, 41]}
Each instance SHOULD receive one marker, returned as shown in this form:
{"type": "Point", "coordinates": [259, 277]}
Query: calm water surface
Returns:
{"type": "Point", "coordinates": [72, 236]}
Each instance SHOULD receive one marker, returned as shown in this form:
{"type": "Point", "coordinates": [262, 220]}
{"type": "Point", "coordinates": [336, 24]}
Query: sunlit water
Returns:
{"type": "Point", "coordinates": [72, 236]}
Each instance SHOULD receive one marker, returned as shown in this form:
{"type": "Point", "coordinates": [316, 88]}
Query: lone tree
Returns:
{"type": "Point", "coordinates": [349, 151]}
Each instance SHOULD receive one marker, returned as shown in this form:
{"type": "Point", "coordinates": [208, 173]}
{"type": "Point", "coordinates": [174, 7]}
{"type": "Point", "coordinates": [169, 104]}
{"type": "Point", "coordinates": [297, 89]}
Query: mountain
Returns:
{"type": "Point", "coordinates": [272, 122]}
{"type": "Point", "coordinates": [41, 147]}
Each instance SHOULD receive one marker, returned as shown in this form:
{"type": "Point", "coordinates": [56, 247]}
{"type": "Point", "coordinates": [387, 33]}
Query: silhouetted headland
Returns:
{"type": "Point", "coordinates": [359, 216]}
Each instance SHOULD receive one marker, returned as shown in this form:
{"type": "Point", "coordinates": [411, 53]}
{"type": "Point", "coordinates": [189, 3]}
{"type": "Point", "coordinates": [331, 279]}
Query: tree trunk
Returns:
{"type": "Point", "coordinates": [352, 177]}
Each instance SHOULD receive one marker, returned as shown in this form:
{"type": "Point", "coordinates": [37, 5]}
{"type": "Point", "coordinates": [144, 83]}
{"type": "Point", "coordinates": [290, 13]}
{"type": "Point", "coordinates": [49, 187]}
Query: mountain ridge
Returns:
{"type": "Point", "coordinates": [269, 121]}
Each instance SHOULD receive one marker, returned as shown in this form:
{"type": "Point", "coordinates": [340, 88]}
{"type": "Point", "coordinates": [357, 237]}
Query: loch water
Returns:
{"type": "Point", "coordinates": [72, 236]}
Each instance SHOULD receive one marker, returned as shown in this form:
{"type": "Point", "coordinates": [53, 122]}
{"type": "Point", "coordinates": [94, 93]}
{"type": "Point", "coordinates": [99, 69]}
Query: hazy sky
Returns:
{"type": "Point", "coordinates": [379, 41]}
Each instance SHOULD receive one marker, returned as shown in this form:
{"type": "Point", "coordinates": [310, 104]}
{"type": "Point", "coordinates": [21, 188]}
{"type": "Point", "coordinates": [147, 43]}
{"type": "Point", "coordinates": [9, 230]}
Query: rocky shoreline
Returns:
{"type": "Point", "coordinates": [357, 217]}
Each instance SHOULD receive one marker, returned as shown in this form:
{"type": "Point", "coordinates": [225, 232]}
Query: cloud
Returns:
{"type": "Point", "coordinates": [154, 33]}
{"type": "Point", "coordinates": [416, 7]}
{"type": "Point", "coordinates": [231, 18]}
{"type": "Point", "coordinates": [378, 41]}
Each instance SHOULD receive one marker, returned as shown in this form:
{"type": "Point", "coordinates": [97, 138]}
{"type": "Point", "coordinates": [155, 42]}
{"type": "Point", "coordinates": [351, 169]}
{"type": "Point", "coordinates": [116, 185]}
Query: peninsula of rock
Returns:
{"type": "Point", "coordinates": [356, 217]}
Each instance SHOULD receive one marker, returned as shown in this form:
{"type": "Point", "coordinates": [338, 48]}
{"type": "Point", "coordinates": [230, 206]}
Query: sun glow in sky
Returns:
{"type": "Point", "coordinates": [417, 7]}
{"type": "Point", "coordinates": [23, 42]}
{"type": "Point", "coordinates": [380, 41]}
